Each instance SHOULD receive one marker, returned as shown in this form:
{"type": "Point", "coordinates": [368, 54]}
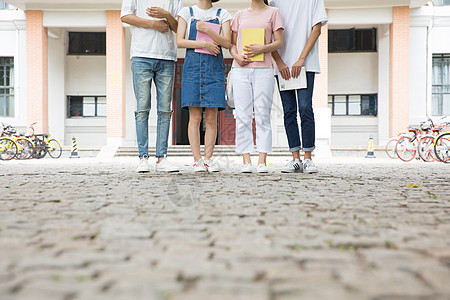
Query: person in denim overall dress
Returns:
{"type": "Point", "coordinates": [203, 87]}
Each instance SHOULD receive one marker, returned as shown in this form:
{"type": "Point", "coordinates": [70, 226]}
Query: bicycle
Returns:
{"type": "Point", "coordinates": [8, 148]}
{"type": "Point", "coordinates": [25, 146]}
{"type": "Point", "coordinates": [442, 147]}
{"type": "Point", "coordinates": [44, 145]}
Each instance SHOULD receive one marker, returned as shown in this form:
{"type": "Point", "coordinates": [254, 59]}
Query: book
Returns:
{"type": "Point", "coordinates": [253, 36]}
{"type": "Point", "coordinates": [293, 83]}
{"type": "Point", "coordinates": [203, 37]}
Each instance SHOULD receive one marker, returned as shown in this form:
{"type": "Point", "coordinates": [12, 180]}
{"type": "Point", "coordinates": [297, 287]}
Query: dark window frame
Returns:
{"type": "Point", "coordinates": [372, 97]}
{"type": "Point", "coordinates": [69, 106]}
{"type": "Point", "coordinates": [438, 59]}
{"type": "Point", "coordinates": [82, 48]}
{"type": "Point", "coordinates": [8, 110]}
{"type": "Point", "coordinates": [355, 40]}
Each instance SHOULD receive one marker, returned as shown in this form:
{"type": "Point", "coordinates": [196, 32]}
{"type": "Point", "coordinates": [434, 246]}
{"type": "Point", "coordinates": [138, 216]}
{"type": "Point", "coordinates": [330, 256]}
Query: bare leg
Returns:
{"type": "Point", "coordinates": [308, 155]}
{"type": "Point", "coordinates": [195, 118]}
{"type": "Point", "coordinates": [246, 158]}
{"type": "Point", "coordinates": [211, 131]}
{"type": "Point", "coordinates": [296, 155]}
{"type": "Point", "coordinates": [262, 158]}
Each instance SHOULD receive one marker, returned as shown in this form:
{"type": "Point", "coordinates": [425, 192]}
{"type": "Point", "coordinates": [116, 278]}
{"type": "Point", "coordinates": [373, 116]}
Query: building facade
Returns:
{"type": "Point", "coordinates": [65, 64]}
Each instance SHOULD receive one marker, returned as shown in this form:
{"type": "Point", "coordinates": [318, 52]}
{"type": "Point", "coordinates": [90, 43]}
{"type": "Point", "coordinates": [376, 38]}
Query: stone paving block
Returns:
{"type": "Point", "coordinates": [355, 230]}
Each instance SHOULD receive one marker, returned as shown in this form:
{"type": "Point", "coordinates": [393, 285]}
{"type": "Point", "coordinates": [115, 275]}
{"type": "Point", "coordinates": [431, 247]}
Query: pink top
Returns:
{"type": "Point", "coordinates": [270, 19]}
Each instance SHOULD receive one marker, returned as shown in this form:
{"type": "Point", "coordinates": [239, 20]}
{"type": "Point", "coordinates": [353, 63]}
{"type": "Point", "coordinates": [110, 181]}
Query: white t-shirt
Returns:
{"type": "Point", "coordinates": [148, 42]}
{"type": "Point", "coordinates": [203, 15]}
{"type": "Point", "coordinates": [299, 17]}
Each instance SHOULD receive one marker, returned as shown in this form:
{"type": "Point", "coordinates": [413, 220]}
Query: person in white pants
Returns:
{"type": "Point", "coordinates": [253, 81]}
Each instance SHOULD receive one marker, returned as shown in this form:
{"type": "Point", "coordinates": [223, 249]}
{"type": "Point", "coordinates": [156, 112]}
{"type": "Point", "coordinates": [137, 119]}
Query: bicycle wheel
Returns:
{"type": "Point", "coordinates": [390, 148]}
{"type": "Point", "coordinates": [40, 149]}
{"type": "Point", "coordinates": [406, 148]}
{"type": "Point", "coordinates": [8, 148]}
{"type": "Point", "coordinates": [25, 148]}
{"type": "Point", "coordinates": [426, 148]}
{"type": "Point", "coordinates": [54, 148]}
{"type": "Point", "coordinates": [442, 147]}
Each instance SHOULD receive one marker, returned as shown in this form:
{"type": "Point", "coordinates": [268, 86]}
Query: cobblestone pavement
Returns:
{"type": "Point", "coordinates": [360, 229]}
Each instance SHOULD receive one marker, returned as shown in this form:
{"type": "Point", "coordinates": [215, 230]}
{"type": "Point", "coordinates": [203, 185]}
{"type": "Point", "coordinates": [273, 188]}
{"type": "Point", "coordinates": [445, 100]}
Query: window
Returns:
{"type": "Point", "coordinates": [352, 40]}
{"type": "Point", "coordinates": [6, 87]}
{"type": "Point", "coordinates": [87, 43]}
{"type": "Point", "coordinates": [353, 105]}
{"type": "Point", "coordinates": [87, 106]}
{"type": "Point", "coordinates": [441, 85]}
{"type": "Point", "coordinates": [4, 6]}
{"type": "Point", "coordinates": [441, 2]}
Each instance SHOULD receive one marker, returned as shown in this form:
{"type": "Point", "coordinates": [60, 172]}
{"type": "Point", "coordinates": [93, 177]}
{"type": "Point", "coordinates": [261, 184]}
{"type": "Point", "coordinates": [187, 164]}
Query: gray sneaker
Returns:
{"type": "Point", "coordinates": [309, 166]}
{"type": "Point", "coordinates": [294, 166]}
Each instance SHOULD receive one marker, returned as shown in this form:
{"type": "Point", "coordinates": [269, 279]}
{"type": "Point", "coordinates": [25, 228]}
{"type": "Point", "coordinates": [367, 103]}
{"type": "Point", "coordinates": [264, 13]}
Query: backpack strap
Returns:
{"type": "Point", "coordinates": [192, 11]}
{"type": "Point", "coordinates": [219, 11]}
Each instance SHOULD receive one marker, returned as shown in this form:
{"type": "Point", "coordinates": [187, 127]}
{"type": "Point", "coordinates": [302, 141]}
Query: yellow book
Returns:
{"type": "Point", "coordinates": [253, 36]}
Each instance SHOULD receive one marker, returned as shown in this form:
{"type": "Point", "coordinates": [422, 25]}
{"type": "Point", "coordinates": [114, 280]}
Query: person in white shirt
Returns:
{"type": "Point", "coordinates": [153, 55]}
{"type": "Point", "coordinates": [303, 21]}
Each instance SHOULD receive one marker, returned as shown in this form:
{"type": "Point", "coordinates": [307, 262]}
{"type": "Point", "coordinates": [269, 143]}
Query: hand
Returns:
{"type": "Point", "coordinates": [161, 26]}
{"type": "Point", "coordinates": [212, 47]}
{"type": "Point", "coordinates": [297, 68]}
{"type": "Point", "coordinates": [243, 60]}
{"type": "Point", "coordinates": [201, 26]}
{"type": "Point", "coordinates": [253, 49]}
{"type": "Point", "coordinates": [157, 12]}
{"type": "Point", "coordinates": [284, 70]}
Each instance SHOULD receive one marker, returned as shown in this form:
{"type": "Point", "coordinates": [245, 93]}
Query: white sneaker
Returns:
{"type": "Point", "coordinates": [294, 166]}
{"type": "Point", "coordinates": [309, 167]}
{"type": "Point", "coordinates": [212, 165]}
{"type": "Point", "coordinates": [247, 168]}
{"type": "Point", "coordinates": [165, 166]}
{"type": "Point", "coordinates": [262, 168]}
{"type": "Point", "coordinates": [143, 165]}
{"type": "Point", "coordinates": [199, 166]}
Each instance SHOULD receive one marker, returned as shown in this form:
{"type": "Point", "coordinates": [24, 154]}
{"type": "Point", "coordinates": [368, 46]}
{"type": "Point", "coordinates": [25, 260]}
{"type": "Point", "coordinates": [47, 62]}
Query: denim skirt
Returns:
{"type": "Point", "coordinates": [203, 81]}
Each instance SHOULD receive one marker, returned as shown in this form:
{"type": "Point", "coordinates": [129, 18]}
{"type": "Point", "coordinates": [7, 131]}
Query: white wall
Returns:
{"type": "Point", "coordinates": [86, 76]}
{"type": "Point", "coordinates": [418, 75]}
{"type": "Point", "coordinates": [57, 101]}
{"type": "Point", "coordinates": [352, 73]}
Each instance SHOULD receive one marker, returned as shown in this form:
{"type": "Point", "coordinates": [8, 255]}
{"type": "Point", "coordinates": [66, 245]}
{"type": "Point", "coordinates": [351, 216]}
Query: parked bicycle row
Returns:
{"type": "Point", "coordinates": [27, 145]}
{"type": "Point", "coordinates": [429, 142]}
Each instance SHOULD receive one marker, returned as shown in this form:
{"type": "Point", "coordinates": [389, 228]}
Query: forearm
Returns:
{"type": "Point", "coordinates": [173, 23]}
{"type": "Point", "coordinates": [313, 37]}
{"type": "Point", "coordinates": [183, 43]}
{"type": "Point", "coordinates": [234, 51]}
{"type": "Point", "coordinates": [137, 22]}
{"type": "Point", "coordinates": [277, 58]}
{"type": "Point", "coordinates": [274, 46]}
{"type": "Point", "coordinates": [219, 39]}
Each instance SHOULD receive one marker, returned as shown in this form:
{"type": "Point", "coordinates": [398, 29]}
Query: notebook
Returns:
{"type": "Point", "coordinates": [253, 36]}
{"type": "Point", "coordinates": [203, 37]}
{"type": "Point", "coordinates": [293, 83]}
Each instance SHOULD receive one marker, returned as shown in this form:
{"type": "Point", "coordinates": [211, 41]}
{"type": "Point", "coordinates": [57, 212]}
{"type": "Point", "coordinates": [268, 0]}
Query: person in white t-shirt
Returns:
{"type": "Point", "coordinates": [303, 21]}
{"type": "Point", "coordinates": [153, 55]}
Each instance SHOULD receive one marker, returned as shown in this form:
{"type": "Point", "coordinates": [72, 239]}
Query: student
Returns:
{"type": "Point", "coordinates": [303, 21]}
{"type": "Point", "coordinates": [203, 81]}
{"type": "Point", "coordinates": [153, 55]}
{"type": "Point", "coordinates": [253, 82]}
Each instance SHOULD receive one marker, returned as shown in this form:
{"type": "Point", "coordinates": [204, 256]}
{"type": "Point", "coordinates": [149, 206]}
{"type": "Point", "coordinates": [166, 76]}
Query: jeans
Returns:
{"type": "Point", "coordinates": [289, 100]}
{"type": "Point", "coordinates": [162, 72]}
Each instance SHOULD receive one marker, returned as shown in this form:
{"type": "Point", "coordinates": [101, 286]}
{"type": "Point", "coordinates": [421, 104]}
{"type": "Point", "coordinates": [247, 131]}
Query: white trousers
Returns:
{"type": "Point", "coordinates": [253, 92]}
